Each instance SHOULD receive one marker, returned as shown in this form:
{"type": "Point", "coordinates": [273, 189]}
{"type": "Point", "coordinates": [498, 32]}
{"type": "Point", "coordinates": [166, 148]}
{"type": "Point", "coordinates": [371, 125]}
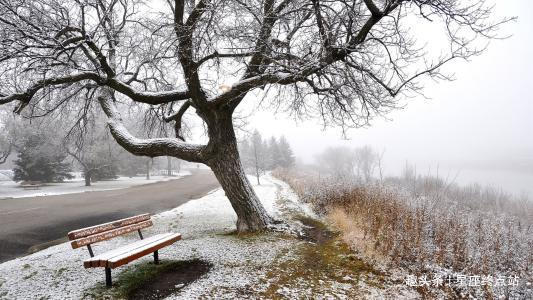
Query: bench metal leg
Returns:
{"type": "Point", "coordinates": [90, 250]}
{"type": "Point", "coordinates": [108, 281]}
{"type": "Point", "coordinates": [156, 257]}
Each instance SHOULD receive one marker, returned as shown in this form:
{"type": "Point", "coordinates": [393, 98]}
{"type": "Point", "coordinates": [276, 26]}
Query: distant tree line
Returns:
{"type": "Point", "coordinates": [259, 155]}
{"type": "Point", "coordinates": [361, 164]}
{"type": "Point", "coordinates": [44, 155]}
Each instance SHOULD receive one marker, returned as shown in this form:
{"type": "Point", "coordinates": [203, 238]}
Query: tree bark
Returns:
{"type": "Point", "coordinates": [251, 215]}
{"type": "Point", "coordinates": [227, 167]}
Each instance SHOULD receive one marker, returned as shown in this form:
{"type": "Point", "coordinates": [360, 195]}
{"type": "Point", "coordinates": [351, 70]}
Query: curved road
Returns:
{"type": "Point", "coordinates": [33, 223]}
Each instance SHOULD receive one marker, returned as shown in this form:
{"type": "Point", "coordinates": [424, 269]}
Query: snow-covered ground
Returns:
{"type": "Point", "coordinates": [239, 265]}
{"type": "Point", "coordinates": [11, 189]}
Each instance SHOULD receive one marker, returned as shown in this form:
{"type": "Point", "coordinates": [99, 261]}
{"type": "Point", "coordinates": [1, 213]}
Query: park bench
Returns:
{"type": "Point", "coordinates": [125, 254]}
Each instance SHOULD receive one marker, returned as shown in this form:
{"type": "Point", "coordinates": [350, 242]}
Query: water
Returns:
{"type": "Point", "coordinates": [516, 182]}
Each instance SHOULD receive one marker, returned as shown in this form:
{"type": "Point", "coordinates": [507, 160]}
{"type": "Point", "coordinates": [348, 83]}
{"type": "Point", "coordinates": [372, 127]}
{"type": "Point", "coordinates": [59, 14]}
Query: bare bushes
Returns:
{"type": "Point", "coordinates": [424, 224]}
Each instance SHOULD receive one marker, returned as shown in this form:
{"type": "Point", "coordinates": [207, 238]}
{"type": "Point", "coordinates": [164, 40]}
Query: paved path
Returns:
{"type": "Point", "coordinates": [28, 224]}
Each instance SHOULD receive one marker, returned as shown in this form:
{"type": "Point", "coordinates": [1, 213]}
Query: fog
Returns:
{"type": "Point", "coordinates": [478, 128]}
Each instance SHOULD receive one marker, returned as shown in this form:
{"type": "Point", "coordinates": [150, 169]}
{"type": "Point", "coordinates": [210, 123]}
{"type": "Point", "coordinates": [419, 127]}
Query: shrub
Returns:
{"type": "Point", "coordinates": [424, 224]}
{"type": "Point", "coordinates": [40, 160]}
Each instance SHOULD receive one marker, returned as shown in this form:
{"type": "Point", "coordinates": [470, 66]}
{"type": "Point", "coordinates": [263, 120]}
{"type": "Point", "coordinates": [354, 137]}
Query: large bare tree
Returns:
{"type": "Point", "coordinates": [339, 60]}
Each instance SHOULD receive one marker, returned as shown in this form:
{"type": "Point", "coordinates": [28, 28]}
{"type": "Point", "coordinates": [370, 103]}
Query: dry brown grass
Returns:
{"type": "Point", "coordinates": [352, 235]}
{"type": "Point", "coordinates": [463, 230]}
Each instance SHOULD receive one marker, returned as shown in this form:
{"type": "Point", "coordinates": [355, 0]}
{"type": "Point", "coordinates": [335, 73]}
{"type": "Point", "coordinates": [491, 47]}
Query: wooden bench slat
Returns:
{"type": "Point", "coordinates": [101, 259]}
{"type": "Point", "coordinates": [142, 251]}
{"type": "Point", "coordinates": [84, 232]}
{"type": "Point", "coordinates": [106, 235]}
{"type": "Point", "coordinates": [120, 256]}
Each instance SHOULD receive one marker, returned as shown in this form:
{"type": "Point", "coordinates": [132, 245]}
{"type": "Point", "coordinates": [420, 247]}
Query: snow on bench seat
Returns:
{"type": "Point", "coordinates": [125, 258]}
{"type": "Point", "coordinates": [125, 254]}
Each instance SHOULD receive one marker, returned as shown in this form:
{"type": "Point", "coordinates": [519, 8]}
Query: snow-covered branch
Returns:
{"type": "Point", "coordinates": [148, 147]}
{"type": "Point", "coordinates": [147, 97]}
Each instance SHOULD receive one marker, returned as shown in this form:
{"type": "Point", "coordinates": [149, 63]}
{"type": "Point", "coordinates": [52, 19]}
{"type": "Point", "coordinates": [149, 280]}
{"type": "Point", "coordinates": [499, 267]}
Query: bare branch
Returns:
{"type": "Point", "coordinates": [223, 55]}
{"type": "Point", "coordinates": [373, 8]}
{"type": "Point", "coordinates": [177, 118]}
{"type": "Point", "coordinates": [138, 96]}
{"type": "Point", "coordinates": [27, 95]}
{"type": "Point", "coordinates": [4, 155]}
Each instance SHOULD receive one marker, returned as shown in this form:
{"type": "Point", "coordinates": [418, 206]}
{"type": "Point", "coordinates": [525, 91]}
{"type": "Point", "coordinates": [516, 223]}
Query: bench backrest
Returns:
{"type": "Point", "coordinates": [94, 234]}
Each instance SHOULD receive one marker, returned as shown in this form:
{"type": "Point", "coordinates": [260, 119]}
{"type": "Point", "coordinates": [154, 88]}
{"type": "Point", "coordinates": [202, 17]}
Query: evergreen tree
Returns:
{"type": "Point", "coordinates": [40, 160]}
{"type": "Point", "coordinates": [245, 154]}
{"type": "Point", "coordinates": [286, 155]}
{"type": "Point", "coordinates": [274, 154]}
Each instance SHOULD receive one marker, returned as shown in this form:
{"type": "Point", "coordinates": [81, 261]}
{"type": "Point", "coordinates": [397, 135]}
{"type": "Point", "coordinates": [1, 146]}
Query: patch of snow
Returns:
{"type": "Point", "coordinates": [292, 202]}
{"type": "Point", "coordinates": [238, 264]}
{"type": "Point", "coordinates": [57, 272]}
{"type": "Point", "coordinates": [11, 189]}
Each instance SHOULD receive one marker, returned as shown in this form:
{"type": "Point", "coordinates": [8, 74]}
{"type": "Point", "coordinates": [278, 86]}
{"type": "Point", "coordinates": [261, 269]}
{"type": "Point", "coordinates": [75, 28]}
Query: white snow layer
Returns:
{"type": "Point", "coordinates": [11, 189]}
{"type": "Point", "coordinates": [238, 264]}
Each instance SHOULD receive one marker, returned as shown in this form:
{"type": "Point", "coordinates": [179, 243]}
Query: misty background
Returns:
{"type": "Point", "coordinates": [477, 128]}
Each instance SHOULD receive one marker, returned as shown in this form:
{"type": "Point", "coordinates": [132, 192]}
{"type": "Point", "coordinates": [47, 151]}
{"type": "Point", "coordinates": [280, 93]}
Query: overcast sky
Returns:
{"type": "Point", "coordinates": [482, 119]}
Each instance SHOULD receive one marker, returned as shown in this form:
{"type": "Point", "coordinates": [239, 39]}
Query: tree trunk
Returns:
{"type": "Point", "coordinates": [148, 169]}
{"type": "Point", "coordinates": [87, 177]}
{"type": "Point", "coordinates": [251, 215]}
{"type": "Point", "coordinates": [227, 167]}
{"type": "Point", "coordinates": [257, 175]}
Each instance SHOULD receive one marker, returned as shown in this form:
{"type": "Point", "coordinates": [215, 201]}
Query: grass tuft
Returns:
{"type": "Point", "coordinates": [316, 266]}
